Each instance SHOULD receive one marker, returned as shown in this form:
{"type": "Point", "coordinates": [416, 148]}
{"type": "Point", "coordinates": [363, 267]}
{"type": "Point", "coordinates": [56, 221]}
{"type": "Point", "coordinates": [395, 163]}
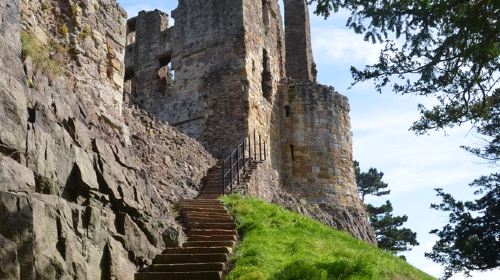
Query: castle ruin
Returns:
{"type": "Point", "coordinates": [228, 68]}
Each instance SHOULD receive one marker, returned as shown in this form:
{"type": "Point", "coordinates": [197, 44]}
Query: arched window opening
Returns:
{"type": "Point", "coordinates": [166, 77]}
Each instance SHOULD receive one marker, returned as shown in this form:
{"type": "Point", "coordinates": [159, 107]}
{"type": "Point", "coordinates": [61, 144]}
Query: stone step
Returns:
{"type": "Point", "coordinates": [215, 180]}
{"type": "Point", "coordinates": [204, 208]}
{"type": "Point", "coordinates": [204, 202]}
{"type": "Point", "coordinates": [188, 215]}
{"type": "Point", "coordinates": [219, 193]}
{"type": "Point", "coordinates": [229, 244]}
{"type": "Point", "coordinates": [213, 206]}
{"type": "Point", "coordinates": [212, 187]}
{"type": "Point", "coordinates": [212, 238]}
{"type": "Point", "coordinates": [212, 225]}
{"type": "Point", "coordinates": [197, 275]}
{"type": "Point", "coordinates": [186, 267]}
{"type": "Point", "coordinates": [191, 219]}
{"type": "Point", "coordinates": [212, 191]}
{"type": "Point", "coordinates": [199, 200]}
{"type": "Point", "coordinates": [212, 232]}
{"type": "Point", "coordinates": [205, 214]}
{"type": "Point", "coordinates": [190, 258]}
{"type": "Point", "coordinates": [197, 250]}
{"type": "Point", "coordinates": [209, 196]}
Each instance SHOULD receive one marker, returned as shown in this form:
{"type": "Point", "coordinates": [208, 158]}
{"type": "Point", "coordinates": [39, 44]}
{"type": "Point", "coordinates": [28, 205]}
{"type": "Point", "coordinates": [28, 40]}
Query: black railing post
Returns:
{"type": "Point", "coordinates": [265, 155]}
{"type": "Point", "coordinates": [244, 161]}
{"type": "Point", "coordinates": [223, 177]}
{"type": "Point", "coordinates": [260, 149]}
{"type": "Point", "coordinates": [254, 146]}
{"type": "Point", "coordinates": [232, 177]}
{"type": "Point", "coordinates": [238, 164]}
{"type": "Point", "coordinates": [249, 147]}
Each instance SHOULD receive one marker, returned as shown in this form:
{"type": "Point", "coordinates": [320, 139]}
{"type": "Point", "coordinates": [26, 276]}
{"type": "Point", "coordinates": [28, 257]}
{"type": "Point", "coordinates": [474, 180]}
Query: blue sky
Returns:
{"type": "Point", "coordinates": [413, 165]}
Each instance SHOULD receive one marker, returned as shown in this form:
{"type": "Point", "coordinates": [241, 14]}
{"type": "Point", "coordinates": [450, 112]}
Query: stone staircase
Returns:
{"type": "Point", "coordinates": [211, 235]}
{"type": "Point", "coordinates": [210, 228]}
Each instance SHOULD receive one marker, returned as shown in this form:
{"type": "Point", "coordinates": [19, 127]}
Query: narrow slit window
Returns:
{"type": "Point", "coordinates": [265, 13]}
{"type": "Point", "coordinates": [267, 79]}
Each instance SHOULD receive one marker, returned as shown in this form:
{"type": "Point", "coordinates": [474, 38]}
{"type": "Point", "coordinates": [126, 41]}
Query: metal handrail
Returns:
{"type": "Point", "coordinates": [238, 161]}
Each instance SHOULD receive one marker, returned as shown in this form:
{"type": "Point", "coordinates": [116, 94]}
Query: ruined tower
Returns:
{"type": "Point", "coordinates": [230, 61]}
{"type": "Point", "coordinates": [299, 58]}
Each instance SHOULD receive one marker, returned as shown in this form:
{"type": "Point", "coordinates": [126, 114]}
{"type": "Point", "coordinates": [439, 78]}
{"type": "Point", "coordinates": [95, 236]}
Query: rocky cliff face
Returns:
{"type": "Point", "coordinates": [86, 186]}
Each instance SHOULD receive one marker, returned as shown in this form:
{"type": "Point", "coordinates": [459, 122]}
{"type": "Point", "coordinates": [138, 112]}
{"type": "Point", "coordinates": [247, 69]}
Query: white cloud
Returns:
{"type": "Point", "coordinates": [342, 45]}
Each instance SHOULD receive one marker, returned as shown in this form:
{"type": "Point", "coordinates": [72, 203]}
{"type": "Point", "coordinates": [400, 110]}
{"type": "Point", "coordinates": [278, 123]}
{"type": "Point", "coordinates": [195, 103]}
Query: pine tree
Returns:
{"type": "Point", "coordinates": [390, 234]}
{"type": "Point", "coordinates": [370, 183]}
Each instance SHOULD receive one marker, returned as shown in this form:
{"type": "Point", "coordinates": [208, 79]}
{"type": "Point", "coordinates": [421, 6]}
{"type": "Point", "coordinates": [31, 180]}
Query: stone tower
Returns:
{"type": "Point", "coordinates": [299, 58]}
{"type": "Point", "coordinates": [229, 61]}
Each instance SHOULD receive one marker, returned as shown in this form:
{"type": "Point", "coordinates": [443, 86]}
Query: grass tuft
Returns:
{"type": "Point", "coordinates": [40, 54]}
{"type": "Point", "coordinates": [279, 244]}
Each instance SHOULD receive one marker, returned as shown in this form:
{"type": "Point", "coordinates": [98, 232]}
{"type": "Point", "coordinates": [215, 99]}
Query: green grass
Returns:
{"type": "Point", "coordinates": [279, 244]}
{"type": "Point", "coordinates": [40, 54]}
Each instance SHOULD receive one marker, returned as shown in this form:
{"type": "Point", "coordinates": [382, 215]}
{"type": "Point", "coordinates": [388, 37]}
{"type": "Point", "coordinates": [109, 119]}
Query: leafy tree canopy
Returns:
{"type": "Point", "coordinates": [447, 49]}
{"type": "Point", "coordinates": [471, 240]}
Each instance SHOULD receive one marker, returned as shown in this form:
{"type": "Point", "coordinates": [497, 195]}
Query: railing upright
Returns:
{"type": "Point", "coordinates": [232, 177]}
{"type": "Point", "coordinates": [239, 154]}
{"type": "Point", "coordinates": [249, 147]}
{"type": "Point", "coordinates": [260, 149]}
{"type": "Point", "coordinates": [265, 154]}
{"type": "Point", "coordinates": [254, 146]}
{"type": "Point", "coordinates": [244, 161]}
{"type": "Point", "coordinates": [223, 177]}
{"type": "Point", "coordinates": [238, 164]}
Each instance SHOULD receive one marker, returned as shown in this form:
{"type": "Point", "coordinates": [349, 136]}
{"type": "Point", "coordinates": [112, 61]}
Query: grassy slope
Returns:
{"type": "Point", "coordinates": [279, 244]}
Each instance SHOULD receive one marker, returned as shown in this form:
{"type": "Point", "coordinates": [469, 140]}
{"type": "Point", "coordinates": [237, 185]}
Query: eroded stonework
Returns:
{"type": "Point", "coordinates": [237, 71]}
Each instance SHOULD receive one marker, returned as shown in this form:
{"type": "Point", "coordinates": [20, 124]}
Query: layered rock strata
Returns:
{"type": "Point", "coordinates": [86, 186]}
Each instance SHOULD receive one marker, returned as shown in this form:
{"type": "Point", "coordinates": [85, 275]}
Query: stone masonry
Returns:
{"type": "Point", "coordinates": [236, 71]}
{"type": "Point", "coordinates": [299, 58]}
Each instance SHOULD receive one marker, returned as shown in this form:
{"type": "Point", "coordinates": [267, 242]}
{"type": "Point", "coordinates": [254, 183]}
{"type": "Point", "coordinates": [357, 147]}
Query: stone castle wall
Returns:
{"type": "Point", "coordinates": [265, 64]}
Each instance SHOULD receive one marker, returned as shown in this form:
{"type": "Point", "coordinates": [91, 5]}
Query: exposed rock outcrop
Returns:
{"type": "Point", "coordinates": [86, 186]}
